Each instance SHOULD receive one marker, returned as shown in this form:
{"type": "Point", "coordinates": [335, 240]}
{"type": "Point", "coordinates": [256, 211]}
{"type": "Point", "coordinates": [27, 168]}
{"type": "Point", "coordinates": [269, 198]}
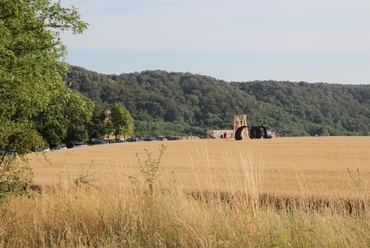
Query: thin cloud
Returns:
{"type": "Point", "coordinates": [236, 26]}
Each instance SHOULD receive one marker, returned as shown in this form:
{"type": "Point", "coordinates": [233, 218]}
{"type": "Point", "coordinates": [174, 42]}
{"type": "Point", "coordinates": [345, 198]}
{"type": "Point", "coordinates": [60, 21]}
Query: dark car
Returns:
{"type": "Point", "coordinates": [173, 137]}
{"type": "Point", "coordinates": [75, 144]}
{"type": "Point", "coordinates": [55, 147]}
{"type": "Point", "coordinates": [96, 142]}
{"type": "Point", "coordinates": [99, 142]}
{"type": "Point", "coordinates": [133, 139]}
{"type": "Point", "coordinates": [150, 138]}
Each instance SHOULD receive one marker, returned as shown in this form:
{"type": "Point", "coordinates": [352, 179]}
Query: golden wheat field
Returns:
{"type": "Point", "coordinates": [320, 166]}
{"type": "Point", "coordinates": [280, 192]}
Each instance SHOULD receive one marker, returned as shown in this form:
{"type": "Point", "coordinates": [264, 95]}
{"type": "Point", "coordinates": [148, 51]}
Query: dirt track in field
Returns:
{"type": "Point", "coordinates": [326, 166]}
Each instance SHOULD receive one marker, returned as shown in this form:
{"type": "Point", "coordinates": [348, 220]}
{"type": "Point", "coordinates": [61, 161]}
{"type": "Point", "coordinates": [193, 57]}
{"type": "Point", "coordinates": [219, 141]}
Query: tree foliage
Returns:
{"type": "Point", "coordinates": [53, 122]}
{"type": "Point", "coordinates": [121, 120]}
{"type": "Point", "coordinates": [30, 58]}
{"type": "Point", "coordinates": [98, 125]}
{"type": "Point", "coordinates": [31, 69]}
{"type": "Point", "coordinates": [79, 112]}
{"type": "Point", "coordinates": [183, 103]}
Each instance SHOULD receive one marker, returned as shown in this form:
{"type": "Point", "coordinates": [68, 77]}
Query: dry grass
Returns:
{"type": "Point", "coordinates": [283, 192]}
{"type": "Point", "coordinates": [317, 165]}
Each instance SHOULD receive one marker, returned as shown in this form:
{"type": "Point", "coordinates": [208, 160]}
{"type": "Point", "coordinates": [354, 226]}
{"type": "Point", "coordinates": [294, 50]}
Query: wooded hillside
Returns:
{"type": "Point", "coordinates": [183, 103]}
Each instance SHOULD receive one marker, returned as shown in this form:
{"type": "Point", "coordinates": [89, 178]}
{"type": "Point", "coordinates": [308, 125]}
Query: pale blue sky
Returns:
{"type": "Point", "coordinates": [234, 40]}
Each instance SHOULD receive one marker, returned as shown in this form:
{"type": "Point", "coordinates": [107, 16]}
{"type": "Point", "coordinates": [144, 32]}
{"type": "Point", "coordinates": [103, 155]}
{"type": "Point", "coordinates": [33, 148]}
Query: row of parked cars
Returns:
{"type": "Point", "coordinates": [69, 145]}
{"type": "Point", "coordinates": [63, 146]}
{"type": "Point", "coordinates": [150, 138]}
{"type": "Point", "coordinates": [154, 138]}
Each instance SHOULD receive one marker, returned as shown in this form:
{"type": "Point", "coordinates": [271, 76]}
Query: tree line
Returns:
{"type": "Point", "coordinates": [163, 102]}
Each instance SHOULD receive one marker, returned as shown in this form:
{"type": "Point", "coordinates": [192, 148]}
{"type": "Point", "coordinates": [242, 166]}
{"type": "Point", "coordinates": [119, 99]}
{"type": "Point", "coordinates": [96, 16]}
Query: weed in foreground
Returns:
{"type": "Point", "coordinates": [150, 168]}
{"type": "Point", "coordinates": [85, 177]}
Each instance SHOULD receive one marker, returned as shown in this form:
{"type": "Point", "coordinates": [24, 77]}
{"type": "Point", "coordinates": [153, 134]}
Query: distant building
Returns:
{"type": "Point", "coordinates": [239, 120]}
{"type": "Point", "coordinates": [220, 134]}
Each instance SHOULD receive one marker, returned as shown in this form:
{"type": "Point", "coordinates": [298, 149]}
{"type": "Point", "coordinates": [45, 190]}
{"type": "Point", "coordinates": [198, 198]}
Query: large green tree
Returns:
{"type": "Point", "coordinates": [79, 112]}
{"type": "Point", "coordinates": [52, 122]}
{"type": "Point", "coordinates": [31, 62]}
{"type": "Point", "coordinates": [98, 126]}
{"type": "Point", "coordinates": [31, 68]}
{"type": "Point", "coordinates": [121, 120]}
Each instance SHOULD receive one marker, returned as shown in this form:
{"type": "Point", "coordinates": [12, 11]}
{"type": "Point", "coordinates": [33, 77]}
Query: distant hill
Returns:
{"type": "Point", "coordinates": [183, 103]}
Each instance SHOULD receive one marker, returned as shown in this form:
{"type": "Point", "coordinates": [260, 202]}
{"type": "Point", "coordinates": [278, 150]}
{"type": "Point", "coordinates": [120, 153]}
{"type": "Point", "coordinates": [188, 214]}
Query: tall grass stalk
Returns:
{"type": "Point", "coordinates": [122, 214]}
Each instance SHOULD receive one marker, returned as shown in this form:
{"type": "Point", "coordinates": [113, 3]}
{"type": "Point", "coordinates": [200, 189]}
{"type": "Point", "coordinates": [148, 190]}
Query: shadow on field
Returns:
{"type": "Point", "coordinates": [242, 200]}
{"type": "Point", "coordinates": [352, 206]}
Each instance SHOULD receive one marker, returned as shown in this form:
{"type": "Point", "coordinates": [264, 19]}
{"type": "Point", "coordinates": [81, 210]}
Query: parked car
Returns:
{"type": "Point", "coordinates": [45, 149]}
{"type": "Point", "coordinates": [55, 147]}
{"type": "Point", "coordinates": [79, 144]}
{"type": "Point", "coordinates": [75, 144]}
{"type": "Point", "coordinates": [99, 142]}
{"type": "Point", "coordinates": [150, 138]}
{"type": "Point", "coordinates": [119, 140]}
{"type": "Point", "coordinates": [96, 142]}
{"type": "Point", "coordinates": [134, 139]}
{"type": "Point", "coordinates": [173, 137]}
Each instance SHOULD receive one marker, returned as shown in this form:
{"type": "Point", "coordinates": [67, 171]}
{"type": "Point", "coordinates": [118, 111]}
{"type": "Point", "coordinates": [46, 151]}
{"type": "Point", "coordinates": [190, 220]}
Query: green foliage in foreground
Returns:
{"type": "Point", "coordinates": [31, 87]}
{"type": "Point", "coordinates": [15, 177]}
{"type": "Point", "coordinates": [31, 67]}
{"type": "Point", "coordinates": [150, 168]}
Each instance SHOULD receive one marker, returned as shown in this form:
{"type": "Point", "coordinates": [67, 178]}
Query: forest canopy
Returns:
{"type": "Point", "coordinates": [163, 102]}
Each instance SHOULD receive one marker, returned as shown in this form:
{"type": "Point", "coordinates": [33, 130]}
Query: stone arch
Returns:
{"type": "Point", "coordinates": [254, 132]}
{"type": "Point", "coordinates": [238, 132]}
{"type": "Point", "coordinates": [258, 132]}
{"type": "Point", "coordinates": [266, 132]}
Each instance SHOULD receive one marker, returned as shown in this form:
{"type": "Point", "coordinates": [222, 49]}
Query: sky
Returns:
{"type": "Point", "coordinates": [236, 40]}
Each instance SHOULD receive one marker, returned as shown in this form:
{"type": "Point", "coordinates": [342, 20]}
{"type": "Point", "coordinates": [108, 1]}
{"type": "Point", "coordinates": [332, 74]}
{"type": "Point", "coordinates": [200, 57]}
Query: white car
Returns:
{"type": "Point", "coordinates": [45, 149]}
